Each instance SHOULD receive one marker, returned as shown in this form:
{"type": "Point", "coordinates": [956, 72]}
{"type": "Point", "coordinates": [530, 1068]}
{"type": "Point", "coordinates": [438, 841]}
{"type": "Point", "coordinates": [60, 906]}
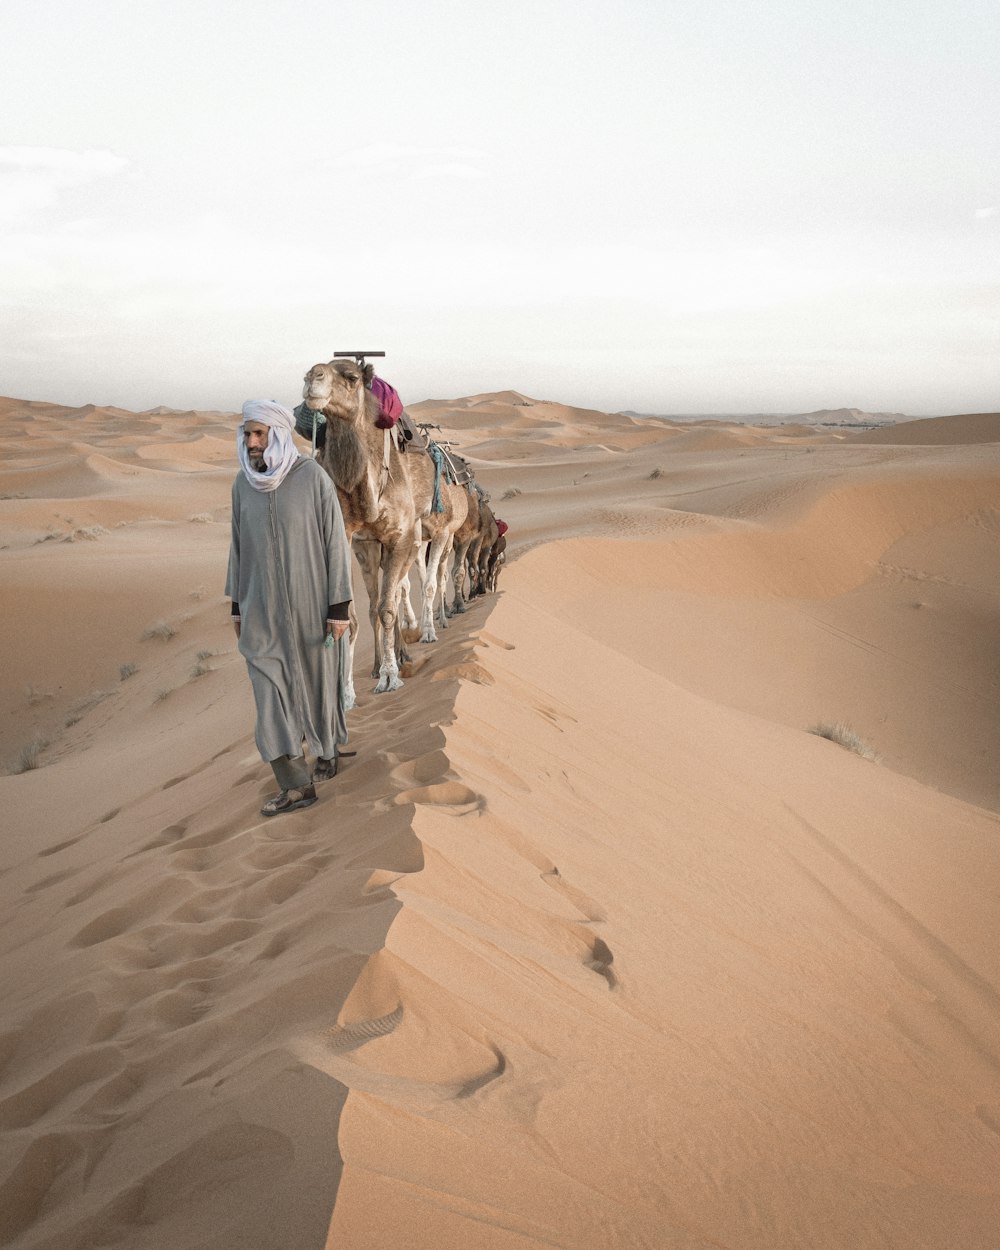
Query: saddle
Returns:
{"type": "Point", "coordinates": [389, 404]}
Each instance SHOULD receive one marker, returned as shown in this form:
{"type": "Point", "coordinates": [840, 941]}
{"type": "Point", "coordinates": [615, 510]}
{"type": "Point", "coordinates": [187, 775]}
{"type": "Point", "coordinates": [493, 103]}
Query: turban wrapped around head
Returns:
{"type": "Point", "coordinates": [280, 453]}
{"type": "Point", "coordinates": [268, 412]}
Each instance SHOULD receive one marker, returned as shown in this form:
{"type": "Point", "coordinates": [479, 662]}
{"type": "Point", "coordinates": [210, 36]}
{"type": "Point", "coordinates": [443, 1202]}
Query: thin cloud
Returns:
{"type": "Point", "coordinates": [469, 173]}
{"type": "Point", "coordinates": [61, 163]}
{"type": "Point", "coordinates": [374, 154]}
{"type": "Point", "coordinates": [33, 178]}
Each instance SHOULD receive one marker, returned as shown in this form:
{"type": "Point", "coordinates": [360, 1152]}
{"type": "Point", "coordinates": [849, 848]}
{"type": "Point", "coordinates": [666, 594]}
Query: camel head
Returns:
{"type": "Point", "coordinates": [337, 388]}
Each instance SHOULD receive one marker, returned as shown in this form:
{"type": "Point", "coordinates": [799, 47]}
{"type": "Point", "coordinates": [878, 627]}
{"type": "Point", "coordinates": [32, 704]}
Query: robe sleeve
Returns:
{"type": "Point", "coordinates": [233, 573]}
{"type": "Point", "coordinates": [338, 549]}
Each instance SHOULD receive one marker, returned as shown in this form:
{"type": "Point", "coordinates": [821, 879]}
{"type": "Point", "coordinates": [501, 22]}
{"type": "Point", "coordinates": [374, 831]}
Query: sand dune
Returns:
{"type": "Point", "coordinates": [592, 944]}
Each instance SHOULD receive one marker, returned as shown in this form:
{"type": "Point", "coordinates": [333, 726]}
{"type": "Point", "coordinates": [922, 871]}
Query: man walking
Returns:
{"type": "Point", "coordinates": [290, 584]}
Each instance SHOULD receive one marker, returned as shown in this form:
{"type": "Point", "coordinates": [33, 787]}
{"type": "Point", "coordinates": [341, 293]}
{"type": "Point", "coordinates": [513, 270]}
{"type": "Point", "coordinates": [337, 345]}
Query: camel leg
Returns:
{"type": "Point", "coordinates": [438, 544]}
{"type": "Point", "coordinates": [473, 565]}
{"type": "Point", "coordinates": [444, 578]}
{"type": "Point", "coordinates": [407, 616]}
{"type": "Point", "coordinates": [416, 556]}
{"type": "Point", "coordinates": [395, 564]}
{"type": "Point", "coordinates": [458, 577]}
{"type": "Point", "coordinates": [369, 554]}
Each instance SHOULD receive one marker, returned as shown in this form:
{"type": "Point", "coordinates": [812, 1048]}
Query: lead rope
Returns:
{"type": "Point", "coordinates": [385, 475]}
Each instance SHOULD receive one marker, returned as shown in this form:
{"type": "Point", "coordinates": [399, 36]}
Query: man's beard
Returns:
{"type": "Point", "coordinates": [257, 461]}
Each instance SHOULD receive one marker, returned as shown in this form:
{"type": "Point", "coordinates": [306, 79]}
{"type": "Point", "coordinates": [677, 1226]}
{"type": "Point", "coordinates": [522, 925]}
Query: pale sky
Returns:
{"type": "Point", "coordinates": [669, 206]}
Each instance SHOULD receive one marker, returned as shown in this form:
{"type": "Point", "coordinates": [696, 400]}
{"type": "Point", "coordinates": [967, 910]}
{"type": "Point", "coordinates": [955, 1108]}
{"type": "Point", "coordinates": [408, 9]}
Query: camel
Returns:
{"type": "Point", "coordinates": [465, 535]}
{"type": "Point", "coordinates": [497, 558]}
{"type": "Point", "coordinates": [387, 500]}
{"type": "Point", "coordinates": [479, 551]}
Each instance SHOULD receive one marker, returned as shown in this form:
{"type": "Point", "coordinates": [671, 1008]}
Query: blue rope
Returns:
{"type": "Point", "coordinates": [437, 455]}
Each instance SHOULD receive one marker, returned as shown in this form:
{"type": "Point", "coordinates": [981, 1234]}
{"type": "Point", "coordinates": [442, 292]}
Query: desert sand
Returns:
{"type": "Point", "coordinates": [593, 944]}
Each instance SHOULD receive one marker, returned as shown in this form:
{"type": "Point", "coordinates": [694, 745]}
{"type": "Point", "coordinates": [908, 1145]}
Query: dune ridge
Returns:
{"type": "Point", "coordinates": [593, 943]}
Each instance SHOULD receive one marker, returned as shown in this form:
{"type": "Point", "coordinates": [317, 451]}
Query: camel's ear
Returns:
{"type": "Point", "coordinates": [369, 374]}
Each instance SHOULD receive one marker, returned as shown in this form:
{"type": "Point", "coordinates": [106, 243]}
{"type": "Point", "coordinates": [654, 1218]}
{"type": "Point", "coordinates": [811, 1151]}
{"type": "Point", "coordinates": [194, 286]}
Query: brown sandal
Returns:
{"type": "Point", "coordinates": [289, 801]}
{"type": "Point", "coordinates": [325, 770]}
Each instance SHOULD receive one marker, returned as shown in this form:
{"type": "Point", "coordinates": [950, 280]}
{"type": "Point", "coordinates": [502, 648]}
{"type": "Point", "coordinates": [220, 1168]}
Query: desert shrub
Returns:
{"type": "Point", "coordinates": [125, 671]}
{"type": "Point", "coordinates": [29, 756]}
{"type": "Point", "coordinates": [844, 736]}
{"type": "Point", "coordinates": [85, 533]}
{"type": "Point", "coordinates": [161, 630]}
{"type": "Point", "coordinates": [161, 695]}
{"type": "Point", "coordinates": [202, 666]}
{"type": "Point", "coordinates": [510, 493]}
{"type": "Point", "coordinates": [657, 472]}
{"type": "Point", "coordinates": [203, 518]}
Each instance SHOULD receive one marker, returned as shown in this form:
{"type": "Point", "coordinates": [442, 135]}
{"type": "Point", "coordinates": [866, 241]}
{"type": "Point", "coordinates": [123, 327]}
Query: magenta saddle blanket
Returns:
{"type": "Point", "coordinates": [390, 405]}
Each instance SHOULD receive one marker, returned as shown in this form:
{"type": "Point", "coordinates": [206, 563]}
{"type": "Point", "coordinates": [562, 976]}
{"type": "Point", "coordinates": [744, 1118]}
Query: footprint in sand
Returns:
{"type": "Point", "coordinates": [486, 1078]}
{"type": "Point", "coordinates": [554, 717]}
{"type": "Point", "coordinates": [450, 796]}
{"type": "Point", "coordinates": [53, 879]}
{"type": "Point", "coordinates": [349, 1036]}
{"type": "Point", "coordinates": [164, 838]}
{"type": "Point", "coordinates": [422, 769]}
{"type": "Point", "coordinates": [60, 846]}
{"type": "Point", "coordinates": [493, 641]}
{"type": "Point", "coordinates": [23, 1192]}
{"type": "Point", "coordinates": [580, 900]}
{"type": "Point", "coordinates": [469, 671]}
{"type": "Point", "coordinates": [34, 1101]}
{"type": "Point", "coordinates": [600, 961]}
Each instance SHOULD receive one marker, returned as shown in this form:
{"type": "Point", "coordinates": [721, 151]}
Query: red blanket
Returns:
{"type": "Point", "coordinates": [390, 405]}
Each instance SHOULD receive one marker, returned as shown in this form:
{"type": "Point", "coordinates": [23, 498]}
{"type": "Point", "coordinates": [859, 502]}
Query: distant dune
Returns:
{"type": "Point", "coordinates": [604, 939]}
{"type": "Point", "coordinates": [822, 416]}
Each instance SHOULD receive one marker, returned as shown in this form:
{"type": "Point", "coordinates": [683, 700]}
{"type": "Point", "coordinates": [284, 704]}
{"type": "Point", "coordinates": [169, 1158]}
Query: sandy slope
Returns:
{"type": "Point", "coordinates": [592, 944]}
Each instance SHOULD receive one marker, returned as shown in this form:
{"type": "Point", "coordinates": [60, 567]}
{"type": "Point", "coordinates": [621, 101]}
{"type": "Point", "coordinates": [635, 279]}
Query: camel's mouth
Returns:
{"type": "Point", "coordinates": [316, 392]}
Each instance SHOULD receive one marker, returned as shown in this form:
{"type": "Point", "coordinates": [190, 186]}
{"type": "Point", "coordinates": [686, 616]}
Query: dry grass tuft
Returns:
{"type": "Point", "coordinates": [161, 630]}
{"type": "Point", "coordinates": [85, 533]}
{"type": "Point", "coordinates": [844, 736]}
{"type": "Point", "coordinates": [510, 493]}
{"type": "Point", "coordinates": [125, 671]}
{"type": "Point", "coordinates": [202, 667]}
{"type": "Point", "coordinates": [203, 518]}
{"type": "Point", "coordinates": [657, 472]}
{"type": "Point", "coordinates": [161, 695]}
{"type": "Point", "coordinates": [29, 756]}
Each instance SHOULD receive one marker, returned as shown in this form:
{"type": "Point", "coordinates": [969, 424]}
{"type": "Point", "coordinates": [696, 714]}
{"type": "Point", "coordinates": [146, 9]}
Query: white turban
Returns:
{"type": "Point", "coordinates": [280, 453]}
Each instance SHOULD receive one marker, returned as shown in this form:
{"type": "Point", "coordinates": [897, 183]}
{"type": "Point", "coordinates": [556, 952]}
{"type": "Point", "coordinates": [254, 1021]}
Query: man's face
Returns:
{"type": "Point", "coordinates": [255, 436]}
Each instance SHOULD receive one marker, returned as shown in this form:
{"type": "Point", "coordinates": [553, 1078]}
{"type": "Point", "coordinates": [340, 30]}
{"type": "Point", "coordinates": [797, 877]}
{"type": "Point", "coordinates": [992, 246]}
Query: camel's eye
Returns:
{"type": "Point", "coordinates": [350, 377]}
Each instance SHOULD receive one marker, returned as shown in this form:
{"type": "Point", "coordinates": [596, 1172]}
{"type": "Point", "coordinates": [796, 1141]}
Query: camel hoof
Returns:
{"type": "Point", "coordinates": [388, 684]}
{"type": "Point", "coordinates": [428, 636]}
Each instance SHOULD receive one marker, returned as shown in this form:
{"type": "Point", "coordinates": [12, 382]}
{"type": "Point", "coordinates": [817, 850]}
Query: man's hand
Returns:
{"type": "Point", "coordinates": [337, 629]}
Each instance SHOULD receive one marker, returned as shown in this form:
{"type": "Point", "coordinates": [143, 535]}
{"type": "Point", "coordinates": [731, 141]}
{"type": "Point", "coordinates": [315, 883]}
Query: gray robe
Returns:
{"type": "Point", "coordinates": [289, 560]}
